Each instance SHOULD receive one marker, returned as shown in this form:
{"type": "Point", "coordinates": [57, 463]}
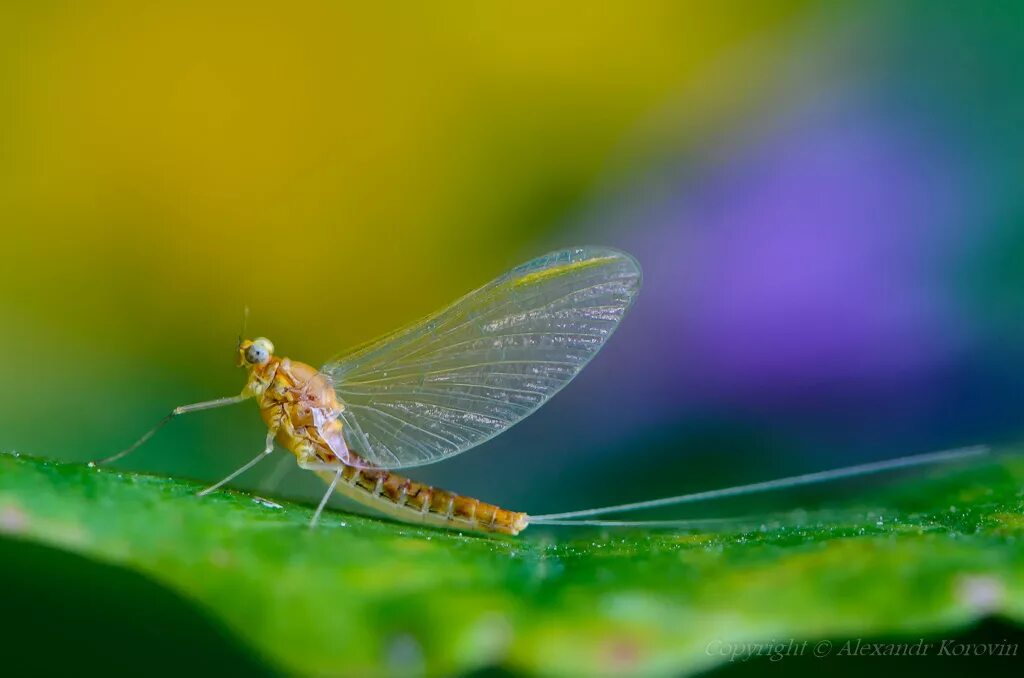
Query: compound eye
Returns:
{"type": "Point", "coordinates": [256, 354]}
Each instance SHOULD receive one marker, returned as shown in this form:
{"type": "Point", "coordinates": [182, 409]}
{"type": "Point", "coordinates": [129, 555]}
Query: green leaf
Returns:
{"type": "Point", "coordinates": [933, 552]}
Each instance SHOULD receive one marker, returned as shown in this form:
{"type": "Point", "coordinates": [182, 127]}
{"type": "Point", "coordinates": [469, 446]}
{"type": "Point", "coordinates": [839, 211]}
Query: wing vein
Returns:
{"type": "Point", "coordinates": [467, 367]}
{"type": "Point", "coordinates": [474, 317]}
{"type": "Point", "coordinates": [404, 422]}
{"type": "Point", "coordinates": [461, 376]}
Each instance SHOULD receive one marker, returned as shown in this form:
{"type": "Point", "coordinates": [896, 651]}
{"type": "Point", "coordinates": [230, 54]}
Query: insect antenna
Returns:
{"type": "Point", "coordinates": [245, 321]}
{"type": "Point", "coordinates": [768, 485]}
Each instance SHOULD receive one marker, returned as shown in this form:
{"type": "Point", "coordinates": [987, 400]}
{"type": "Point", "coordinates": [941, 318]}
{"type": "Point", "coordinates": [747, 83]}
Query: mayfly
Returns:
{"type": "Point", "coordinates": [450, 382]}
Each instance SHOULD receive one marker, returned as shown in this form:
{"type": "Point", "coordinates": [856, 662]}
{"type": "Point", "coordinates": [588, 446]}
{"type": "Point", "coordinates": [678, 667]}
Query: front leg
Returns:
{"type": "Point", "coordinates": [262, 455]}
{"type": "Point", "coordinates": [177, 411]}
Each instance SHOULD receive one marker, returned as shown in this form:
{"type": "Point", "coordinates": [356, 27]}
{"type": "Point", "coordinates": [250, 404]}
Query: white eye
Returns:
{"type": "Point", "coordinates": [256, 354]}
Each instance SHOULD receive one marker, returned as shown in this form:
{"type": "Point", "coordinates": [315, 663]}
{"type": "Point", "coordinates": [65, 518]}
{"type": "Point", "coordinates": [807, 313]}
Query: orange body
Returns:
{"type": "Point", "coordinates": [299, 403]}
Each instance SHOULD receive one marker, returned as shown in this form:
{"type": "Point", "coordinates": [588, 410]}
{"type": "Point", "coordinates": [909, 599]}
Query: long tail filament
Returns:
{"type": "Point", "coordinates": [779, 484]}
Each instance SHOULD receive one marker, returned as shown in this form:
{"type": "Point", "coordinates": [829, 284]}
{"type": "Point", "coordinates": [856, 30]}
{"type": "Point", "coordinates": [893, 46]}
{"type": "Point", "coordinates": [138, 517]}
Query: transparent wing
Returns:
{"type": "Point", "coordinates": [460, 377]}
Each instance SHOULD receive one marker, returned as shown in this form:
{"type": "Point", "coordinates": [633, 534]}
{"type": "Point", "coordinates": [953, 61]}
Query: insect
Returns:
{"type": "Point", "coordinates": [450, 382]}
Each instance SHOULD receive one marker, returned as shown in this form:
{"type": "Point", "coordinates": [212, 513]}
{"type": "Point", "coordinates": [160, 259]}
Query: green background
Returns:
{"type": "Point", "coordinates": [825, 198]}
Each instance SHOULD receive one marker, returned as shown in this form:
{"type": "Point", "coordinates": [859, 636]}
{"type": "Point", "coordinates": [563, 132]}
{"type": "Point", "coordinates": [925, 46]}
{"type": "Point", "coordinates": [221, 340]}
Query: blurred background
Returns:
{"type": "Point", "coordinates": [825, 197]}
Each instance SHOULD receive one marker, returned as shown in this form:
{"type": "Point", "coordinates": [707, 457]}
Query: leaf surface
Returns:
{"type": "Point", "coordinates": [931, 552]}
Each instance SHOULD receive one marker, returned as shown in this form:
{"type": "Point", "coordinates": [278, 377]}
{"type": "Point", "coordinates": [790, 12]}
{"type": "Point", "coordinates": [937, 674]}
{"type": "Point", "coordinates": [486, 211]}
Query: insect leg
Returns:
{"type": "Point", "coordinates": [327, 495]}
{"type": "Point", "coordinates": [184, 409]}
{"type": "Point", "coordinates": [270, 483]}
{"type": "Point", "coordinates": [266, 451]}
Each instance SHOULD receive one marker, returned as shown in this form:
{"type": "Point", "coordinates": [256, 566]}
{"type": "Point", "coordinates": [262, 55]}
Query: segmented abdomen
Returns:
{"type": "Point", "coordinates": [410, 501]}
{"type": "Point", "coordinates": [406, 499]}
